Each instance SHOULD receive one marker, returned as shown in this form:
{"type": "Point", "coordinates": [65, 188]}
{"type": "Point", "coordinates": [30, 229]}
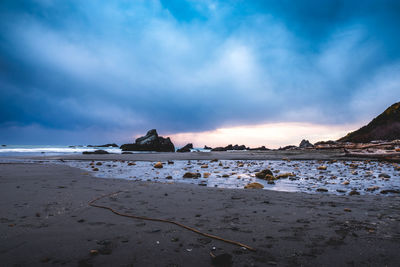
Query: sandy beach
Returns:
{"type": "Point", "coordinates": [46, 220]}
{"type": "Point", "coordinates": [199, 133]}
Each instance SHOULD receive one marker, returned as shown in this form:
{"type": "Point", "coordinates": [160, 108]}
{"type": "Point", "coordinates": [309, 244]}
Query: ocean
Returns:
{"type": "Point", "coordinates": [54, 150]}
{"type": "Point", "coordinates": [49, 150]}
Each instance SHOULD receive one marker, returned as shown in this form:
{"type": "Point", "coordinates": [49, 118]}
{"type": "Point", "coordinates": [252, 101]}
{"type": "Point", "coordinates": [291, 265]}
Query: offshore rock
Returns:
{"type": "Point", "coordinates": [96, 152]}
{"type": "Point", "coordinates": [291, 147]}
{"type": "Point", "coordinates": [106, 145]}
{"type": "Point", "coordinates": [150, 142]}
{"type": "Point", "coordinates": [261, 148]}
{"type": "Point", "coordinates": [218, 149]}
{"type": "Point", "coordinates": [186, 148]}
{"type": "Point", "coordinates": [305, 144]}
{"type": "Point", "coordinates": [230, 147]}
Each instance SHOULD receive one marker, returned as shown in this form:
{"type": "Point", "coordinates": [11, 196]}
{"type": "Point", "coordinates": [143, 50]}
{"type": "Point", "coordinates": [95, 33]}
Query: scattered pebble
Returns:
{"type": "Point", "coordinates": [354, 192]}
{"type": "Point", "coordinates": [322, 190]}
{"type": "Point", "coordinates": [372, 188]}
{"type": "Point", "coordinates": [254, 186]}
{"type": "Point", "coordinates": [158, 165]}
{"type": "Point", "coordinates": [191, 175]}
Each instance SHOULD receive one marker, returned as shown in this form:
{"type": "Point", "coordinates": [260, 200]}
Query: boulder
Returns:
{"type": "Point", "coordinates": [207, 147]}
{"type": "Point", "coordinates": [392, 191]}
{"type": "Point", "coordinates": [322, 190]}
{"type": "Point", "coordinates": [262, 174]}
{"type": "Point", "coordinates": [186, 148]}
{"type": "Point", "coordinates": [285, 175]}
{"type": "Point", "coordinates": [150, 142]}
{"type": "Point", "coordinates": [158, 165]}
{"type": "Point", "coordinates": [384, 175]}
{"type": "Point", "coordinates": [206, 174]}
{"type": "Point", "coordinates": [193, 175]}
{"type": "Point", "coordinates": [305, 144]}
{"type": "Point", "coordinates": [354, 192]}
{"type": "Point", "coordinates": [254, 186]}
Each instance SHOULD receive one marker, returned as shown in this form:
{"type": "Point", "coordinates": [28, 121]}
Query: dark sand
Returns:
{"type": "Point", "coordinates": [45, 220]}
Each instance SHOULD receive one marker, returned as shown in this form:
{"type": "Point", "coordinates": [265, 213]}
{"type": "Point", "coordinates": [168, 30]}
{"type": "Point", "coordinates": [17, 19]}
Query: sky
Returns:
{"type": "Point", "coordinates": [217, 72]}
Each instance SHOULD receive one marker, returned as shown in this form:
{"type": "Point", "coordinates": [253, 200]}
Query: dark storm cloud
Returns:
{"type": "Point", "coordinates": [108, 66]}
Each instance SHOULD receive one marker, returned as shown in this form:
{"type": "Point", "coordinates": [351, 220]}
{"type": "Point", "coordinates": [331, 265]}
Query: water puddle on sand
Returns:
{"type": "Point", "coordinates": [341, 177]}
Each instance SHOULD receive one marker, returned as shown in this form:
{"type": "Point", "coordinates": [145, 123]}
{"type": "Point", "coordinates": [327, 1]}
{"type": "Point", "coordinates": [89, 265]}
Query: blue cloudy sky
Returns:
{"type": "Point", "coordinates": [100, 71]}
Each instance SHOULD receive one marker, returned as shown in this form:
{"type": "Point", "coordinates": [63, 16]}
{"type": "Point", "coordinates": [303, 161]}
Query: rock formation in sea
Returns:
{"type": "Point", "coordinates": [230, 147]}
{"type": "Point", "coordinates": [305, 144]}
{"type": "Point", "coordinates": [106, 145]}
{"type": "Point", "coordinates": [186, 148]}
{"type": "Point", "coordinates": [384, 127]}
{"type": "Point", "coordinates": [261, 148]}
{"type": "Point", "coordinates": [290, 147]}
{"type": "Point", "coordinates": [150, 142]}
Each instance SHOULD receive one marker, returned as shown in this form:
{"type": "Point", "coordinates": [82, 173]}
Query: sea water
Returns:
{"type": "Point", "coordinates": [54, 150]}
{"type": "Point", "coordinates": [49, 150]}
{"type": "Point", "coordinates": [339, 178]}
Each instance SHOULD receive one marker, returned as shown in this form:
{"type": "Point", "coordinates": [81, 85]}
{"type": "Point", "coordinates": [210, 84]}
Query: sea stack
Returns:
{"type": "Point", "coordinates": [150, 142]}
{"type": "Point", "coordinates": [186, 148]}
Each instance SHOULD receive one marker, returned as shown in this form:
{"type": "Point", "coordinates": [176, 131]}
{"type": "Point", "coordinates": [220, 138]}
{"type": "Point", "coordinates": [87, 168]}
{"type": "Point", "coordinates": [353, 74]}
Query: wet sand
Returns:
{"type": "Point", "coordinates": [311, 154]}
{"type": "Point", "coordinates": [45, 219]}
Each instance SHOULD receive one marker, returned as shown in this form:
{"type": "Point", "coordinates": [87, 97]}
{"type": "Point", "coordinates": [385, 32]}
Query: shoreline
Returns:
{"type": "Point", "coordinates": [225, 155]}
{"type": "Point", "coordinates": [46, 219]}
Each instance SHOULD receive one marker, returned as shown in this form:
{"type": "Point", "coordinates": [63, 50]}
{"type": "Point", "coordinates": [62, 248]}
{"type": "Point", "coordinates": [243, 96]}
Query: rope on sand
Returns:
{"type": "Point", "coordinates": [92, 204]}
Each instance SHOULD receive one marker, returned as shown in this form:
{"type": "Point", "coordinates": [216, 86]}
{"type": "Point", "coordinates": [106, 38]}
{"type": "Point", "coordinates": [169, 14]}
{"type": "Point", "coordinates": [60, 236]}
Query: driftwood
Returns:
{"type": "Point", "coordinates": [92, 204]}
{"type": "Point", "coordinates": [391, 156]}
{"type": "Point", "coordinates": [357, 146]}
